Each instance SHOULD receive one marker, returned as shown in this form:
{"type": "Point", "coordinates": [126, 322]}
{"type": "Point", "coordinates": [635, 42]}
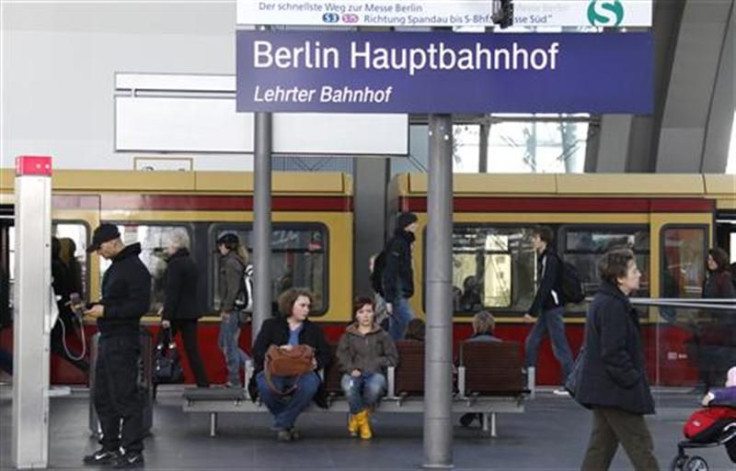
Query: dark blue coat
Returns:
{"type": "Point", "coordinates": [614, 371]}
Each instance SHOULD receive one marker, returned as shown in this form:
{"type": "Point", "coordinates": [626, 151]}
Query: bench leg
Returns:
{"type": "Point", "coordinates": [213, 424]}
{"type": "Point", "coordinates": [489, 424]}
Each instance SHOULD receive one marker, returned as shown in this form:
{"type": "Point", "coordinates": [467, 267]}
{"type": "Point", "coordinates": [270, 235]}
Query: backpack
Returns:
{"type": "Point", "coordinates": [244, 301]}
{"type": "Point", "coordinates": [572, 286]}
{"type": "Point", "coordinates": [379, 264]}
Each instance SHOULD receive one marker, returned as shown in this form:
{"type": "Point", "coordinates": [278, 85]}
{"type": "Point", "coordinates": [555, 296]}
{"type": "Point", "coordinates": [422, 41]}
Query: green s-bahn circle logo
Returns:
{"type": "Point", "coordinates": [605, 12]}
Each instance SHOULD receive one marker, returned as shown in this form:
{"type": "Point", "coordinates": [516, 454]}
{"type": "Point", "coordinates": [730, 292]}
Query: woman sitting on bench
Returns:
{"type": "Point", "coordinates": [289, 329]}
{"type": "Point", "coordinates": [364, 353]}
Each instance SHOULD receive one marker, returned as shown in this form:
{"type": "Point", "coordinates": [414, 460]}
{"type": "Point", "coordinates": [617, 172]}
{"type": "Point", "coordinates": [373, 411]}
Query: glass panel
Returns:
{"type": "Point", "coordinates": [466, 148]}
{"type": "Point", "coordinates": [536, 147]}
{"type": "Point", "coordinates": [152, 254]}
{"type": "Point", "coordinates": [298, 259]}
{"type": "Point", "coordinates": [697, 346]}
{"type": "Point", "coordinates": [493, 267]}
{"type": "Point", "coordinates": [73, 241]}
{"type": "Point", "coordinates": [583, 248]}
{"type": "Point", "coordinates": [683, 254]}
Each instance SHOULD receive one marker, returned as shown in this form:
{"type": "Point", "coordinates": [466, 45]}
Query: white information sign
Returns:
{"type": "Point", "coordinates": [408, 13]}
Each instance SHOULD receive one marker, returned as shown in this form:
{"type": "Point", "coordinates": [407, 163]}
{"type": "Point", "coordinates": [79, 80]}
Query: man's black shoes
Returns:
{"type": "Point", "coordinates": [102, 456]}
{"type": "Point", "coordinates": [130, 459]}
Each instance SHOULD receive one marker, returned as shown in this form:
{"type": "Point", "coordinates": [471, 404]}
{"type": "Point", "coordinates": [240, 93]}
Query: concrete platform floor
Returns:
{"type": "Point", "coordinates": [551, 435]}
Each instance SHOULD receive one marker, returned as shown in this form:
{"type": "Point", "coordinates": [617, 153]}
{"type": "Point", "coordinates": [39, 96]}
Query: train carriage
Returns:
{"type": "Point", "coordinates": [312, 242]}
{"type": "Point", "coordinates": [670, 221]}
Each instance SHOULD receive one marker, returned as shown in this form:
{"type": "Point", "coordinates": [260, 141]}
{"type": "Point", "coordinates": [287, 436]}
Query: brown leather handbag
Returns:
{"type": "Point", "coordinates": [293, 362]}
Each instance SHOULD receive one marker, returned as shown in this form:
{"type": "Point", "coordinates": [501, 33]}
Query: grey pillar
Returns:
{"type": "Point", "coordinates": [371, 181]}
{"type": "Point", "coordinates": [262, 221]}
{"type": "Point", "coordinates": [438, 289]}
{"type": "Point", "coordinates": [485, 131]}
{"type": "Point", "coordinates": [33, 319]}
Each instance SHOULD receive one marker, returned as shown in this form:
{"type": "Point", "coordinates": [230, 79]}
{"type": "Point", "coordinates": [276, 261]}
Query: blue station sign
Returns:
{"type": "Point", "coordinates": [444, 72]}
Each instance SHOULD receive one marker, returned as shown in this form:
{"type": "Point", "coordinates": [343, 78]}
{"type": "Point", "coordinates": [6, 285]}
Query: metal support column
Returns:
{"type": "Point", "coordinates": [438, 289]}
{"type": "Point", "coordinates": [33, 312]}
{"type": "Point", "coordinates": [485, 130]}
{"type": "Point", "coordinates": [262, 220]}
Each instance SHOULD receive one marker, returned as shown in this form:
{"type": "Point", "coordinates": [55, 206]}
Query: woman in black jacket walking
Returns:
{"type": "Point", "coordinates": [181, 309]}
{"type": "Point", "coordinates": [613, 381]}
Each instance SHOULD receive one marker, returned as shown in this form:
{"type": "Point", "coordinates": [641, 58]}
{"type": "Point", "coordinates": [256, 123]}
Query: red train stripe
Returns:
{"type": "Point", "coordinates": [565, 205]}
{"type": "Point", "coordinates": [200, 203]}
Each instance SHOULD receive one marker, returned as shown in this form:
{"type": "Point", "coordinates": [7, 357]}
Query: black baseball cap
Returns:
{"type": "Point", "coordinates": [102, 234]}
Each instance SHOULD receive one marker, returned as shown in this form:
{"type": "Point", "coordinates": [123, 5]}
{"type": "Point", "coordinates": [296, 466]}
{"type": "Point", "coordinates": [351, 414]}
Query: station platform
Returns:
{"type": "Point", "coordinates": [551, 435]}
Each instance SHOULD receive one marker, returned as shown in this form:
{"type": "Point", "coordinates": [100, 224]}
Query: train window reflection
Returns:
{"type": "Point", "coordinates": [298, 259]}
{"type": "Point", "coordinates": [583, 247]}
{"type": "Point", "coordinates": [493, 267]}
{"type": "Point", "coordinates": [153, 254]}
{"type": "Point", "coordinates": [683, 256]}
{"type": "Point", "coordinates": [73, 242]}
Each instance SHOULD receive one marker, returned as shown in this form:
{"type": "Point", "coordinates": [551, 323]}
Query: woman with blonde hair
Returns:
{"type": "Point", "coordinates": [180, 311]}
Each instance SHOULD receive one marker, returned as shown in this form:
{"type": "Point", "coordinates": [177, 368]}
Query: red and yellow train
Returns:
{"type": "Point", "coordinates": [670, 221]}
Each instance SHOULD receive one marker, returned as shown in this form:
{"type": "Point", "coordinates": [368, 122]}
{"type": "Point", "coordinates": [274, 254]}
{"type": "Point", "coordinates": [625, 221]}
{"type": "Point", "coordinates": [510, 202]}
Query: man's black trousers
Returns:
{"type": "Point", "coordinates": [118, 397]}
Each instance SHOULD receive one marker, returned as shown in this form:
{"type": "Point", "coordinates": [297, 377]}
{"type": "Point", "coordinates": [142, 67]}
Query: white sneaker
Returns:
{"type": "Point", "coordinates": [561, 392]}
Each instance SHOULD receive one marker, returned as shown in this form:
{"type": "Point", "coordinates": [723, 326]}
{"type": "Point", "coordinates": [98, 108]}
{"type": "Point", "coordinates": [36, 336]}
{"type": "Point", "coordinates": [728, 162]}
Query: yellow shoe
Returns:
{"type": "Point", "coordinates": [364, 424]}
{"type": "Point", "coordinates": [353, 425]}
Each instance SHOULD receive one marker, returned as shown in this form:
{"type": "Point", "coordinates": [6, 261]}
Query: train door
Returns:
{"type": "Point", "coordinates": [726, 233]}
{"type": "Point", "coordinates": [6, 273]}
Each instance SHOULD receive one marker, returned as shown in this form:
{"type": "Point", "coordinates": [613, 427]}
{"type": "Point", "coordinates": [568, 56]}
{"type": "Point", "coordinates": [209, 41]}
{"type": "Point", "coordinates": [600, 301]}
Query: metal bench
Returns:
{"type": "Point", "coordinates": [479, 390]}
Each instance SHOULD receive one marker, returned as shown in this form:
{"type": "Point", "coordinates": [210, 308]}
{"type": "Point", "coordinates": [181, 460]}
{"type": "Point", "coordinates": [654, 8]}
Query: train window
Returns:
{"type": "Point", "coordinates": [73, 239]}
{"type": "Point", "coordinates": [684, 250]}
{"type": "Point", "coordinates": [151, 238]}
{"type": "Point", "coordinates": [299, 259]}
{"type": "Point", "coordinates": [493, 267]}
{"type": "Point", "coordinates": [73, 242]}
{"type": "Point", "coordinates": [583, 246]}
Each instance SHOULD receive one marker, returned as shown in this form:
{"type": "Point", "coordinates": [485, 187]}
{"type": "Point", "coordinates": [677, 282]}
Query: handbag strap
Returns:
{"type": "Point", "coordinates": [269, 381]}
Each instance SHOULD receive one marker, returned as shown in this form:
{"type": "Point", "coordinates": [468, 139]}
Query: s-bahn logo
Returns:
{"type": "Point", "coordinates": [350, 18]}
{"type": "Point", "coordinates": [331, 18]}
{"type": "Point", "coordinates": [605, 12]}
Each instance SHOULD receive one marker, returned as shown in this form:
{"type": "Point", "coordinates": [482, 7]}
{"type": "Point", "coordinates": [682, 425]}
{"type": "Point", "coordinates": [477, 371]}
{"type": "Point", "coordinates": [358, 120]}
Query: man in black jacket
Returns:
{"type": "Point", "coordinates": [398, 275]}
{"type": "Point", "coordinates": [126, 294]}
{"type": "Point", "coordinates": [548, 306]}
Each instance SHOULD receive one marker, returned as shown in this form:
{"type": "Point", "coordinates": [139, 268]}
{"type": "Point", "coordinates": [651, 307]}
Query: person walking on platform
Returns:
{"type": "Point", "coordinates": [181, 304]}
{"type": "Point", "coordinates": [612, 381]}
{"type": "Point", "coordinates": [287, 396]}
{"type": "Point", "coordinates": [548, 307]}
{"type": "Point", "coordinates": [233, 260]}
{"type": "Point", "coordinates": [398, 275]}
{"type": "Point", "coordinates": [126, 295]}
{"type": "Point", "coordinates": [364, 353]}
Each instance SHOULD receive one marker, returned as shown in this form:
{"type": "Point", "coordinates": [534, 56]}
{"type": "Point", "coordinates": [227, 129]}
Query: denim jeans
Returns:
{"type": "Point", "coordinates": [363, 391]}
{"type": "Point", "coordinates": [286, 409]}
{"type": "Point", "coordinates": [550, 323]}
{"type": "Point", "coordinates": [228, 343]}
{"type": "Point", "coordinates": [400, 317]}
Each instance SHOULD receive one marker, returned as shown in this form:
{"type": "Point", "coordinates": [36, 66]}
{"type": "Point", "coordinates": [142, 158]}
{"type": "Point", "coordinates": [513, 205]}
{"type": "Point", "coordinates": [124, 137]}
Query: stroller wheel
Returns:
{"type": "Point", "coordinates": [677, 462]}
{"type": "Point", "coordinates": [695, 463]}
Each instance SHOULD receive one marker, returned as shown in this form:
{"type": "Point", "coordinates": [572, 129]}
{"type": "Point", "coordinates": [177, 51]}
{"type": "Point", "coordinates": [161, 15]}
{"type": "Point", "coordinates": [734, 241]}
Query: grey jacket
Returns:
{"type": "Point", "coordinates": [231, 274]}
{"type": "Point", "coordinates": [371, 353]}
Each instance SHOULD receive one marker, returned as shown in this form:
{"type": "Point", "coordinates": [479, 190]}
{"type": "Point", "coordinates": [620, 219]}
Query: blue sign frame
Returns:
{"type": "Point", "coordinates": [444, 72]}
